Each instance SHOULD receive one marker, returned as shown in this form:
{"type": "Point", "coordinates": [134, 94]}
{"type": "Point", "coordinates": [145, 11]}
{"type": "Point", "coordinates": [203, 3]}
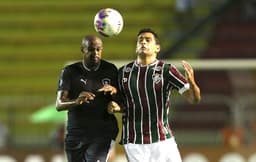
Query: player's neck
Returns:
{"type": "Point", "coordinates": [91, 66]}
{"type": "Point", "coordinates": [145, 60]}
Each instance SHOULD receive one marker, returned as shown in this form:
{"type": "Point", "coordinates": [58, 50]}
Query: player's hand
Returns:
{"type": "Point", "coordinates": [189, 72]}
{"type": "Point", "coordinates": [85, 97]}
{"type": "Point", "coordinates": [108, 88]}
{"type": "Point", "coordinates": [113, 107]}
{"type": "Point", "coordinates": [193, 94]}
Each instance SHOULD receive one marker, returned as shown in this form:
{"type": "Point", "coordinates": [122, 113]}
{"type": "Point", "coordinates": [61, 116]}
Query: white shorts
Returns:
{"type": "Point", "coordinates": [163, 151]}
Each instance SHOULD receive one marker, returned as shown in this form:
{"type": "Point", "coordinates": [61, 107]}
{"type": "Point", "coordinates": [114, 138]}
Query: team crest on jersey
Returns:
{"type": "Point", "coordinates": [156, 78]}
{"type": "Point", "coordinates": [127, 69]}
{"type": "Point", "coordinates": [105, 81]}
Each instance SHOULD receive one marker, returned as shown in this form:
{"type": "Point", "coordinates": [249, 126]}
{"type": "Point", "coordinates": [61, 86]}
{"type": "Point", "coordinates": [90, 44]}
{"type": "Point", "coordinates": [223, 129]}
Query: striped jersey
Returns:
{"type": "Point", "coordinates": [146, 91]}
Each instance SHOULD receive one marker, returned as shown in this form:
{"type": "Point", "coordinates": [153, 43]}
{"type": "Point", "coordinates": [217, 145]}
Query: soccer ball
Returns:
{"type": "Point", "coordinates": [108, 22]}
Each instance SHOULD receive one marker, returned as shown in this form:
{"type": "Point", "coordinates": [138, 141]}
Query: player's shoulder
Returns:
{"type": "Point", "coordinates": [165, 64]}
{"type": "Point", "coordinates": [105, 63]}
{"type": "Point", "coordinates": [73, 65]}
{"type": "Point", "coordinates": [128, 65]}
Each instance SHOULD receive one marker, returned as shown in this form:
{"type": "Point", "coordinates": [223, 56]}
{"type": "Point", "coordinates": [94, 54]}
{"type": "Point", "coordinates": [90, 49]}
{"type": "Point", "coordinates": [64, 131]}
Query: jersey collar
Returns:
{"type": "Point", "coordinates": [153, 63]}
{"type": "Point", "coordinates": [88, 69]}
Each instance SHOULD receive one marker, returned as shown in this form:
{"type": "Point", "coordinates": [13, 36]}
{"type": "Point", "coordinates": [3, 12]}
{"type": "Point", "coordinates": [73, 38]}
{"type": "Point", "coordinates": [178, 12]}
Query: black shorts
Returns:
{"type": "Point", "coordinates": [96, 151]}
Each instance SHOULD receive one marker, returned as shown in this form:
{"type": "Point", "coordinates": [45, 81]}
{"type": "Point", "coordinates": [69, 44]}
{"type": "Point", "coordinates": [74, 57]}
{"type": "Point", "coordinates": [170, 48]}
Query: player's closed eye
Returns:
{"type": "Point", "coordinates": [144, 39]}
{"type": "Point", "coordinates": [95, 49]}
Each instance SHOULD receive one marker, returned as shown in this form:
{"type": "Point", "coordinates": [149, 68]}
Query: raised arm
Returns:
{"type": "Point", "coordinates": [193, 94]}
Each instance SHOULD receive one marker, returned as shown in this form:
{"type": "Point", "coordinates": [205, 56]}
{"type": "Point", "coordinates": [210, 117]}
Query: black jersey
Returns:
{"type": "Point", "coordinates": [89, 121]}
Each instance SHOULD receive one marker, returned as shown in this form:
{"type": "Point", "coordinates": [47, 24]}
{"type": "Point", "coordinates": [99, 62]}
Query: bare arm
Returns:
{"type": "Point", "coordinates": [64, 103]}
{"type": "Point", "coordinates": [193, 94]}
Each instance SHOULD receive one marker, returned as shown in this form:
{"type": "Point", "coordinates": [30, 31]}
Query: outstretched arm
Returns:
{"type": "Point", "coordinates": [64, 103]}
{"type": "Point", "coordinates": [193, 94]}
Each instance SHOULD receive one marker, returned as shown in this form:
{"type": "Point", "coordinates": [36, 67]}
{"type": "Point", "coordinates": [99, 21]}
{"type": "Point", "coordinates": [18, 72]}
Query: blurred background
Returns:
{"type": "Point", "coordinates": [218, 37]}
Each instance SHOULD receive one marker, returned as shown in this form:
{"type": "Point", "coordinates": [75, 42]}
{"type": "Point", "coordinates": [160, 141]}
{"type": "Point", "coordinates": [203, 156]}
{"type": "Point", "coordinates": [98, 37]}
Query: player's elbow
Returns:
{"type": "Point", "coordinates": [197, 100]}
{"type": "Point", "coordinates": [194, 99]}
{"type": "Point", "coordinates": [196, 95]}
{"type": "Point", "coordinates": [58, 107]}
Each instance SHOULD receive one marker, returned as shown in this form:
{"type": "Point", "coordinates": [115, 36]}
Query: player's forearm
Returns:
{"type": "Point", "coordinates": [195, 93]}
{"type": "Point", "coordinates": [65, 105]}
{"type": "Point", "coordinates": [63, 102]}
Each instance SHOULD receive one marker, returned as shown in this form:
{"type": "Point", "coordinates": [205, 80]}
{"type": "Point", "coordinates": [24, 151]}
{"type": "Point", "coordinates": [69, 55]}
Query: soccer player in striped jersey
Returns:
{"type": "Point", "coordinates": [146, 84]}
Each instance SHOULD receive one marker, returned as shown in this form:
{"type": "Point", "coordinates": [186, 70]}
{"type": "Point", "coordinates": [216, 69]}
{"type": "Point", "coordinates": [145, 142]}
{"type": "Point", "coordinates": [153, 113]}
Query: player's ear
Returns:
{"type": "Point", "coordinates": [158, 48]}
{"type": "Point", "coordinates": [83, 49]}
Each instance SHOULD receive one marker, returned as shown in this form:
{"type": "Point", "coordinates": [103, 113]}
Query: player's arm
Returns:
{"type": "Point", "coordinates": [193, 94]}
{"type": "Point", "coordinates": [64, 103]}
{"type": "Point", "coordinates": [113, 106]}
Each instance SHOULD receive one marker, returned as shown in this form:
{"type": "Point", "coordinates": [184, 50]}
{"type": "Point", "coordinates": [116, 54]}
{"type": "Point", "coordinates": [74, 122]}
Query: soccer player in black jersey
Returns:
{"type": "Point", "coordinates": [86, 89]}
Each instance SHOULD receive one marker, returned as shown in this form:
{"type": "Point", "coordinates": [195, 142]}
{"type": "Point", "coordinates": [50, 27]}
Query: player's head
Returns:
{"type": "Point", "coordinates": [147, 42]}
{"type": "Point", "coordinates": [92, 49]}
{"type": "Point", "coordinates": [149, 30]}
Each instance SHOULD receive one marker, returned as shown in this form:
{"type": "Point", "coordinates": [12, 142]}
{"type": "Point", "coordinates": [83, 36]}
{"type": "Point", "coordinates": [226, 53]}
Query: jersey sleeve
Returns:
{"type": "Point", "coordinates": [115, 76]}
{"type": "Point", "coordinates": [177, 79]}
{"type": "Point", "coordinates": [64, 80]}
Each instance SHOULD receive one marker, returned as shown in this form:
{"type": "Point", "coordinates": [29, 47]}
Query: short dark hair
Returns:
{"type": "Point", "coordinates": [149, 30]}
